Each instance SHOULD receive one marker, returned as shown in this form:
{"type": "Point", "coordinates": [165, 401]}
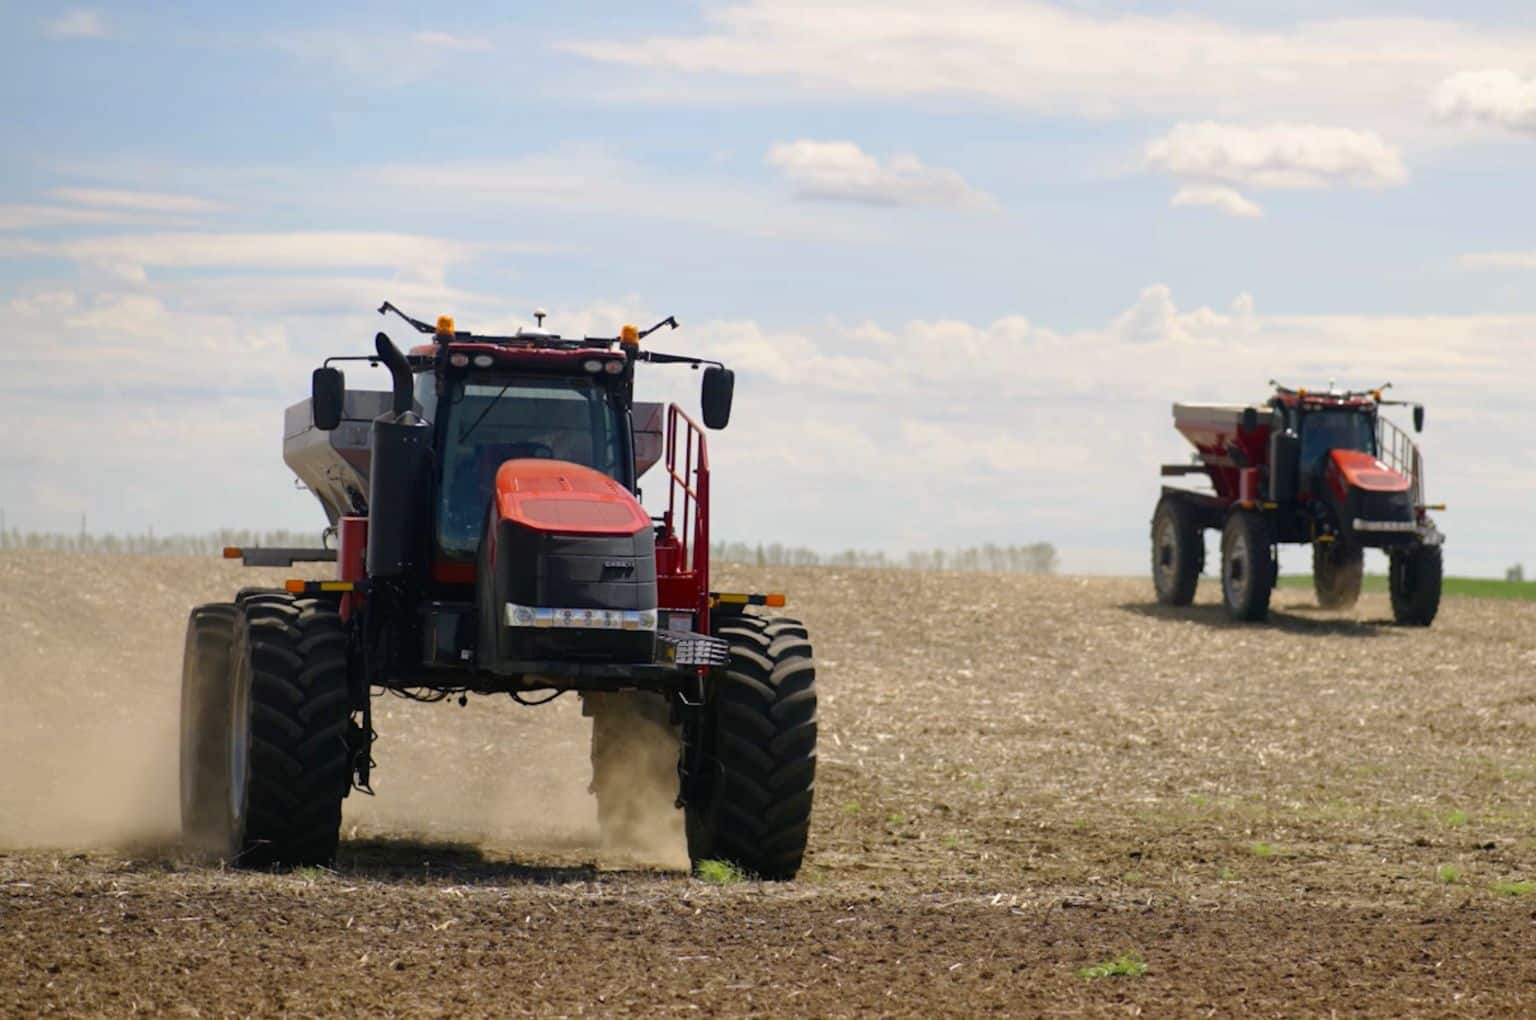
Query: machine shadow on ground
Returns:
{"type": "Point", "coordinates": [407, 860]}
{"type": "Point", "coordinates": [1284, 620]}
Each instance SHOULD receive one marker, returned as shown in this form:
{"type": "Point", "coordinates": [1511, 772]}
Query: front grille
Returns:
{"type": "Point", "coordinates": [1383, 506]}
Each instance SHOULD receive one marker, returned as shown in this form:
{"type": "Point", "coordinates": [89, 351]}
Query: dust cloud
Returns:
{"type": "Point", "coordinates": [90, 670]}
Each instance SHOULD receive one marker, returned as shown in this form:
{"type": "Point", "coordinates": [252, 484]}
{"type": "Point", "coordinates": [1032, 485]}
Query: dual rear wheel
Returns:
{"type": "Point", "coordinates": [265, 711]}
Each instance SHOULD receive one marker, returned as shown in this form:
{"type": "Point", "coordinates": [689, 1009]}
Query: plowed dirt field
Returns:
{"type": "Point", "coordinates": [1020, 778]}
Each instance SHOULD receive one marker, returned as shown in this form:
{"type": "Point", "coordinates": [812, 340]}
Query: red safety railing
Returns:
{"type": "Point", "coordinates": [687, 517]}
{"type": "Point", "coordinates": [1400, 453]}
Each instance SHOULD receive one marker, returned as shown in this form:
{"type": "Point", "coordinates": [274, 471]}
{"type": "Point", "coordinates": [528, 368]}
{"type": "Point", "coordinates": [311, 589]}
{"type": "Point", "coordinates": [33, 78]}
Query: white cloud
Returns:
{"type": "Point", "coordinates": [79, 23]}
{"type": "Point", "coordinates": [839, 171]}
{"type": "Point", "coordinates": [33, 216]}
{"type": "Point", "coordinates": [137, 201]}
{"type": "Point", "coordinates": [379, 58]}
{"type": "Point", "coordinates": [449, 41]}
{"type": "Point", "coordinates": [93, 206]}
{"type": "Point", "coordinates": [133, 253]}
{"type": "Point", "coordinates": [592, 179]}
{"type": "Point", "coordinates": [1498, 260]}
{"type": "Point", "coordinates": [1228, 200]}
{"type": "Point", "coordinates": [1277, 156]}
{"type": "Point", "coordinates": [1054, 60]}
{"type": "Point", "coordinates": [1004, 410]}
{"type": "Point", "coordinates": [194, 376]}
{"type": "Point", "coordinates": [1497, 97]}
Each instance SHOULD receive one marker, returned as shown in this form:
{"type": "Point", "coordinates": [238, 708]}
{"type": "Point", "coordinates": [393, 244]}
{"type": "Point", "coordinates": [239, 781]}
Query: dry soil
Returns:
{"type": "Point", "coordinates": [1020, 778]}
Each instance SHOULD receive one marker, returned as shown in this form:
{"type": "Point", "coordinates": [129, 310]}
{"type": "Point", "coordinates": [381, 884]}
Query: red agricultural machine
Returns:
{"type": "Point", "coordinates": [1320, 468]}
{"type": "Point", "coordinates": [490, 539]}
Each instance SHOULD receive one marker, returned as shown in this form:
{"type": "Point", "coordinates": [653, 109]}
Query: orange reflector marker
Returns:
{"type": "Point", "coordinates": [298, 587]}
{"type": "Point", "coordinates": [232, 552]}
{"type": "Point", "coordinates": [726, 598]}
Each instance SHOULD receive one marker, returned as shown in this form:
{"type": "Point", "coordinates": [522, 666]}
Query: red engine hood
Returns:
{"type": "Point", "coordinates": [558, 496]}
{"type": "Point", "coordinates": [1362, 471]}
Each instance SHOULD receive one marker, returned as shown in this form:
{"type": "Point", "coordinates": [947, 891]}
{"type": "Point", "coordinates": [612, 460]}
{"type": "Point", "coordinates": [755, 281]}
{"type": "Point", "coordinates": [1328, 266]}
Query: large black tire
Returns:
{"type": "Point", "coordinates": [206, 719]}
{"type": "Point", "coordinates": [751, 805]}
{"type": "Point", "coordinates": [1338, 567]}
{"type": "Point", "coordinates": [1415, 580]}
{"type": "Point", "coordinates": [276, 798]}
{"type": "Point", "coordinates": [635, 748]}
{"type": "Point", "coordinates": [1178, 552]}
{"type": "Point", "coordinates": [1248, 566]}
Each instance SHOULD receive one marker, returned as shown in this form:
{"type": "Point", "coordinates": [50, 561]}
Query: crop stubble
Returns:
{"type": "Point", "coordinates": [1020, 777]}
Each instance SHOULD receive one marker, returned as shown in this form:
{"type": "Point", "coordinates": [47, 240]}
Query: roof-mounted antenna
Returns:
{"type": "Point", "coordinates": [539, 315]}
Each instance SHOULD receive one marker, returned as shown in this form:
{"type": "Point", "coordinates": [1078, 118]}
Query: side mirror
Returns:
{"type": "Point", "coordinates": [1250, 419]}
{"type": "Point", "coordinates": [327, 392]}
{"type": "Point", "coordinates": [1418, 417]}
{"type": "Point", "coordinates": [715, 396]}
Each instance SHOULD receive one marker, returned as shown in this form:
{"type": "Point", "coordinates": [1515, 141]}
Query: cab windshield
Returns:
{"type": "Point", "coordinates": [486, 422]}
{"type": "Point", "coordinates": [1322, 431]}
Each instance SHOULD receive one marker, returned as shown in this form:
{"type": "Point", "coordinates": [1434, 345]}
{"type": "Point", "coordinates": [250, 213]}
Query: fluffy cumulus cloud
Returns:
{"type": "Point", "coordinates": [1227, 200]}
{"type": "Point", "coordinates": [78, 23]}
{"type": "Point", "coordinates": [1057, 59]}
{"type": "Point", "coordinates": [1278, 156]}
{"type": "Point", "coordinates": [1499, 98]}
{"type": "Point", "coordinates": [1219, 158]}
{"type": "Point", "coordinates": [840, 171]}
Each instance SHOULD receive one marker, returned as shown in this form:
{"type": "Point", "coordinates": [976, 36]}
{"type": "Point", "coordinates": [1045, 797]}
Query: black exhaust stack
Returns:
{"type": "Point", "coordinates": [397, 482]}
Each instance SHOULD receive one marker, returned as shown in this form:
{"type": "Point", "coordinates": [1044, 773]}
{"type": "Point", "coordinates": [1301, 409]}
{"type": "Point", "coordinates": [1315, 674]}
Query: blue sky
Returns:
{"type": "Point", "coordinates": [964, 255]}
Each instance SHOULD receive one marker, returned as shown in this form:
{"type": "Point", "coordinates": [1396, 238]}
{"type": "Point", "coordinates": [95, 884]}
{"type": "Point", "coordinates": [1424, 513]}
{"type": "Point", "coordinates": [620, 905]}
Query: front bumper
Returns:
{"type": "Point", "coordinates": [567, 653]}
{"type": "Point", "coordinates": [1385, 527]}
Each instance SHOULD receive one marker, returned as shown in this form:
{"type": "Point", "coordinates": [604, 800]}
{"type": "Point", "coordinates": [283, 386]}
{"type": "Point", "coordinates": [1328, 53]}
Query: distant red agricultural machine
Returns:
{"type": "Point", "coordinates": [1319, 468]}
{"type": "Point", "coordinates": [490, 539]}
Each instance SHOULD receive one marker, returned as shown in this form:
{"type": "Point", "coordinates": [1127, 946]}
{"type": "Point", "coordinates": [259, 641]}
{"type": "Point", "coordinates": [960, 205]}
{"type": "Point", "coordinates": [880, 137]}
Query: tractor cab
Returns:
{"type": "Point", "coordinates": [1327, 452]}
{"type": "Point", "coordinates": [1326, 429]}
{"type": "Point", "coordinates": [489, 417]}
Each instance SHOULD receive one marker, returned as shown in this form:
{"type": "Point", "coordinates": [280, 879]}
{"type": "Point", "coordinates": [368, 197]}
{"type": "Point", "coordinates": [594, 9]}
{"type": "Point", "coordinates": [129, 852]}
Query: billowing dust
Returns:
{"type": "Point", "coordinates": [90, 666]}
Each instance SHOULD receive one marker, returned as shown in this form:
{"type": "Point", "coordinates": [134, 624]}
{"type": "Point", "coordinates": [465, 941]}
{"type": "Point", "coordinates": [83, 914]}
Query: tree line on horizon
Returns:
{"type": "Point", "coordinates": [150, 544]}
{"type": "Point", "coordinates": [1036, 558]}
